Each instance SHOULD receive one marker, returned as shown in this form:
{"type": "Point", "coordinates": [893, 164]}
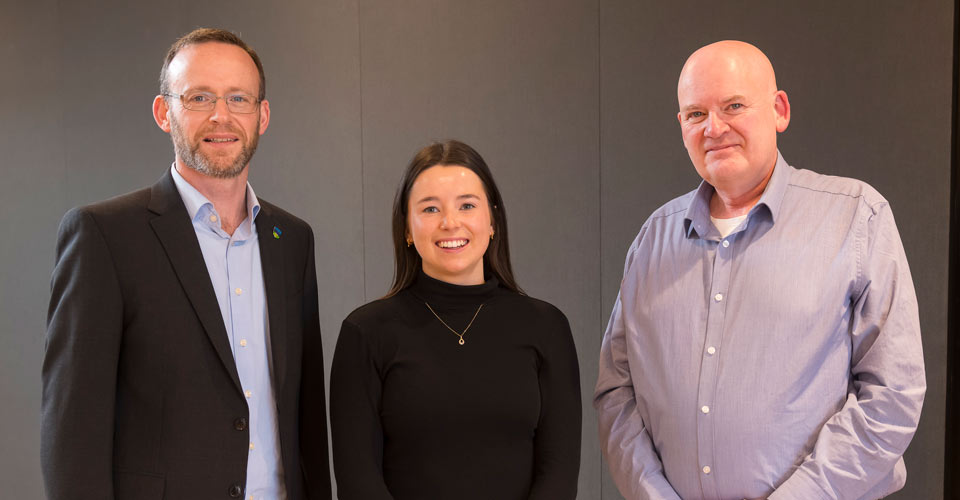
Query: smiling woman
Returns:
{"type": "Point", "coordinates": [456, 384]}
{"type": "Point", "coordinates": [460, 161]}
{"type": "Point", "coordinates": [450, 224]}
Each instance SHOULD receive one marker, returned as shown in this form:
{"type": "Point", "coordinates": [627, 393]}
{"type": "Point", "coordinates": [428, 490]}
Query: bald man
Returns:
{"type": "Point", "coordinates": [765, 342]}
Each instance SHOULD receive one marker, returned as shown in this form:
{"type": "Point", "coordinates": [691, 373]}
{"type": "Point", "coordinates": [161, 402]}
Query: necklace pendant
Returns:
{"type": "Point", "coordinates": [461, 340]}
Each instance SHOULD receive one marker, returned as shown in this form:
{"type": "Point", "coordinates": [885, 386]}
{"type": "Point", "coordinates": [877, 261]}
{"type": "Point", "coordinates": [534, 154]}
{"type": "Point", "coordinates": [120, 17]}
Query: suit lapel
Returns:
{"type": "Point", "coordinates": [175, 232]}
{"type": "Point", "coordinates": [271, 260]}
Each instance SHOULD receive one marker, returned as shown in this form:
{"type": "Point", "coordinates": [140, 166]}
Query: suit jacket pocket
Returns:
{"type": "Point", "coordinates": [137, 485]}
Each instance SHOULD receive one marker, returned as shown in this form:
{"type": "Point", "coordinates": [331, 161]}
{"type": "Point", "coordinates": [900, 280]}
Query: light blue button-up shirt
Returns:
{"type": "Point", "coordinates": [781, 361]}
{"type": "Point", "coordinates": [233, 263]}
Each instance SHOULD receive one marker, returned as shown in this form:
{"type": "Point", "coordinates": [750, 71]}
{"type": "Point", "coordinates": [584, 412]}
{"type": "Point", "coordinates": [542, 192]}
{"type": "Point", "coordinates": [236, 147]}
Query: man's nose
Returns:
{"type": "Point", "coordinates": [716, 126]}
{"type": "Point", "coordinates": [220, 111]}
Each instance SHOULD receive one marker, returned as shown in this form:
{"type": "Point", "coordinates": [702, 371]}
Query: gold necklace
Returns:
{"type": "Point", "coordinates": [458, 334]}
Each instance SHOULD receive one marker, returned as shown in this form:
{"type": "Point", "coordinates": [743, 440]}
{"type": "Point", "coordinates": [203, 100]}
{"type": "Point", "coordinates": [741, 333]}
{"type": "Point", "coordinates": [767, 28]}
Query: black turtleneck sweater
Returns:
{"type": "Point", "coordinates": [416, 415]}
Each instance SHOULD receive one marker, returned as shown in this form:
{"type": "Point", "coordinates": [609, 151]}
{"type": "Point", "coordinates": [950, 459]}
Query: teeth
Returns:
{"type": "Point", "coordinates": [219, 140]}
{"type": "Point", "coordinates": [452, 243]}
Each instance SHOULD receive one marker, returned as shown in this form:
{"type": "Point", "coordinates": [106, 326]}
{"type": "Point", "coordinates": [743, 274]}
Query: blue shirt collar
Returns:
{"type": "Point", "coordinates": [697, 218]}
{"type": "Point", "coordinates": [198, 206]}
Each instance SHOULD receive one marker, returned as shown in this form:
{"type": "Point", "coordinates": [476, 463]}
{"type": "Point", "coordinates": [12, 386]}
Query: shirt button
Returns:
{"type": "Point", "coordinates": [251, 445]}
{"type": "Point", "coordinates": [243, 343]}
{"type": "Point", "coordinates": [705, 409]}
{"type": "Point", "coordinates": [726, 243]}
{"type": "Point", "coordinates": [710, 350]}
{"type": "Point", "coordinates": [248, 393]}
{"type": "Point", "coordinates": [213, 218]}
{"type": "Point", "coordinates": [706, 469]}
{"type": "Point", "coordinates": [718, 297]}
{"type": "Point", "coordinates": [250, 497]}
{"type": "Point", "coordinates": [238, 291]}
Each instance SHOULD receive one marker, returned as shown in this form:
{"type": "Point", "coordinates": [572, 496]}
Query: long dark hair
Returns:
{"type": "Point", "coordinates": [407, 262]}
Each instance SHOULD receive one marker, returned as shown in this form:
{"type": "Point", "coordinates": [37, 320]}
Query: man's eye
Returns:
{"type": "Point", "coordinates": [736, 105]}
{"type": "Point", "coordinates": [240, 99]}
{"type": "Point", "coordinates": [199, 98]}
{"type": "Point", "coordinates": [693, 115]}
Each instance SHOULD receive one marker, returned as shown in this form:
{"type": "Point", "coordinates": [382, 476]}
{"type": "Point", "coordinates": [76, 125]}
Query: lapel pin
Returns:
{"type": "Point", "coordinates": [277, 232]}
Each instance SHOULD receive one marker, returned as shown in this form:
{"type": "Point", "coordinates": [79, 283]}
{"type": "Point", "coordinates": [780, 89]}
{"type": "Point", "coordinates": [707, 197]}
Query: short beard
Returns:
{"type": "Point", "coordinates": [194, 159]}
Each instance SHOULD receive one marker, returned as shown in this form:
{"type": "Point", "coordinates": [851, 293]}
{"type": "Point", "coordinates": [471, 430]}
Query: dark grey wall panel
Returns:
{"type": "Point", "coordinates": [309, 160]}
{"type": "Point", "coordinates": [870, 87]}
{"type": "Point", "coordinates": [518, 81]}
{"type": "Point", "coordinates": [32, 190]}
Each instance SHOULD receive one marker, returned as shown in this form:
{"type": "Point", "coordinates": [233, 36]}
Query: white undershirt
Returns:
{"type": "Point", "coordinates": [726, 226]}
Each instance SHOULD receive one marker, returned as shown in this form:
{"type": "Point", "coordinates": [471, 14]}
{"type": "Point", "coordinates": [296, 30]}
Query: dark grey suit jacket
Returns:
{"type": "Point", "coordinates": [141, 397]}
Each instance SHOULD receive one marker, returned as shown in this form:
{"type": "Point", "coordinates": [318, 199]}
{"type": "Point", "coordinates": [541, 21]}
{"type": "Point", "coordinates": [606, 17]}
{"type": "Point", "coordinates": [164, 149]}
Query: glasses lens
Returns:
{"type": "Point", "coordinates": [199, 101]}
{"type": "Point", "coordinates": [239, 103]}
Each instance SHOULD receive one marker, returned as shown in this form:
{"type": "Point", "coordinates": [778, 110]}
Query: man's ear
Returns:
{"type": "Point", "coordinates": [264, 115]}
{"type": "Point", "coordinates": [161, 113]}
{"type": "Point", "coordinates": [782, 106]}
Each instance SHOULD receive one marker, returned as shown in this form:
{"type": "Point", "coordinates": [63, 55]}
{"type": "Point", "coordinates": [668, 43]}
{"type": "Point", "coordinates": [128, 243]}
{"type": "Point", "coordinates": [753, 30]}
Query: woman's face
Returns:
{"type": "Point", "coordinates": [449, 222]}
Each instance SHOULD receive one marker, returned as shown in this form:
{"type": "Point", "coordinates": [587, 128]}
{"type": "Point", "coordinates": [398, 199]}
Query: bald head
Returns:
{"type": "Point", "coordinates": [729, 56]}
{"type": "Point", "coordinates": [730, 114]}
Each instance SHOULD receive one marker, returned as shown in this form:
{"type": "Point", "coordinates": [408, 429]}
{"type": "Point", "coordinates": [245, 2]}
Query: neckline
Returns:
{"type": "Point", "coordinates": [441, 293]}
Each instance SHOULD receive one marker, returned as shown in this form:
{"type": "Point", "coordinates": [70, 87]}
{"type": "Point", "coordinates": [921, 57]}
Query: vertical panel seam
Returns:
{"type": "Point", "coordinates": [599, 266]}
{"type": "Point", "coordinates": [363, 202]}
{"type": "Point", "coordinates": [951, 432]}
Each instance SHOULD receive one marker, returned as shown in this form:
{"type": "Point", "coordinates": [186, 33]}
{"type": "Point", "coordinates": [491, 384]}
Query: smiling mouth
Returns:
{"type": "Point", "coordinates": [218, 140]}
{"type": "Point", "coordinates": [452, 244]}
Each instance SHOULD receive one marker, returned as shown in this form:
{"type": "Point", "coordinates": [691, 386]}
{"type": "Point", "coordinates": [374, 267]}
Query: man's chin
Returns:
{"type": "Point", "coordinates": [725, 169]}
{"type": "Point", "coordinates": [217, 169]}
{"type": "Point", "coordinates": [225, 172]}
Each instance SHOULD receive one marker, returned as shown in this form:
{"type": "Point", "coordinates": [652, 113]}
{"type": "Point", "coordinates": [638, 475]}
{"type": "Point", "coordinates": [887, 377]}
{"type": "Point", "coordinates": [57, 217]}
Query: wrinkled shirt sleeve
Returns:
{"type": "Point", "coordinates": [624, 440]}
{"type": "Point", "coordinates": [861, 445]}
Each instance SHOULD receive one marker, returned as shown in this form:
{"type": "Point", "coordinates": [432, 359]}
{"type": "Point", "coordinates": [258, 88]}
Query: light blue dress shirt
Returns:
{"type": "Point", "coordinates": [233, 263]}
{"type": "Point", "coordinates": [782, 361]}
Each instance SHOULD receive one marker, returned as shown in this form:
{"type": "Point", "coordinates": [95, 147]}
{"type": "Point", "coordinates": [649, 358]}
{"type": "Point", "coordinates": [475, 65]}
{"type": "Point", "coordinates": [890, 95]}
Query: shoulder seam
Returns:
{"type": "Point", "coordinates": [790, 184]}
{"type": "Point", "coordinates": [661, 216]}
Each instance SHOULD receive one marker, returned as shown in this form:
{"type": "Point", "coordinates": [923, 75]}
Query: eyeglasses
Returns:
{"type": "Point", "coordinates": [207, 101]}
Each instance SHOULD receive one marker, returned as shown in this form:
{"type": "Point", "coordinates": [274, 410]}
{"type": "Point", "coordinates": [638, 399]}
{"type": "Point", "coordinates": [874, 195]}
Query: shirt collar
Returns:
{"type": "Point", "coordinates": [697, 218]}
{"type": "Point", "coordinates": [198, 205]}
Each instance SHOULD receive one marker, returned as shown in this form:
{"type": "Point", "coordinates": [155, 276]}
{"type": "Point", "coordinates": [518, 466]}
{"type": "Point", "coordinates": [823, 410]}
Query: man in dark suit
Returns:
{"type": "Point", "coordinates": [183, 355]}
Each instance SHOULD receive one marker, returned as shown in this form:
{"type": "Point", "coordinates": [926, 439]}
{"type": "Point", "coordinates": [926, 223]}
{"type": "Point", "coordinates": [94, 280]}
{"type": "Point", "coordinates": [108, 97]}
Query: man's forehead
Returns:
{"type": "Point", "coordinates": [212, 57]}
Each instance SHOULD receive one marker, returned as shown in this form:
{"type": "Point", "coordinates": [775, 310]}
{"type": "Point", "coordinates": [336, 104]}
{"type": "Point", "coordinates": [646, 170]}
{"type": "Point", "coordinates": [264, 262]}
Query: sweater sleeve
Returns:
{"type": "Point", "coordinates": [355, 395]}
{"type": "Point", "coordinates": [557, 439]}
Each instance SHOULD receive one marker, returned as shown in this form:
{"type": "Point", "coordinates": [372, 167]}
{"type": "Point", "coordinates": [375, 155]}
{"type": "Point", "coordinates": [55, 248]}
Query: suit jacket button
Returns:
{"type": "Point", "coordinates": [240, 424]}
{"type": "Point", "coordinates": [235, 491]}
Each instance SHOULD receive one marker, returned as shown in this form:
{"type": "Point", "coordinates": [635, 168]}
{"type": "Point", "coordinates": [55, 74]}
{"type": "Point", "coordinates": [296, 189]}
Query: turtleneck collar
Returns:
{"type": "Point", "coordinates": [443, 294]}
